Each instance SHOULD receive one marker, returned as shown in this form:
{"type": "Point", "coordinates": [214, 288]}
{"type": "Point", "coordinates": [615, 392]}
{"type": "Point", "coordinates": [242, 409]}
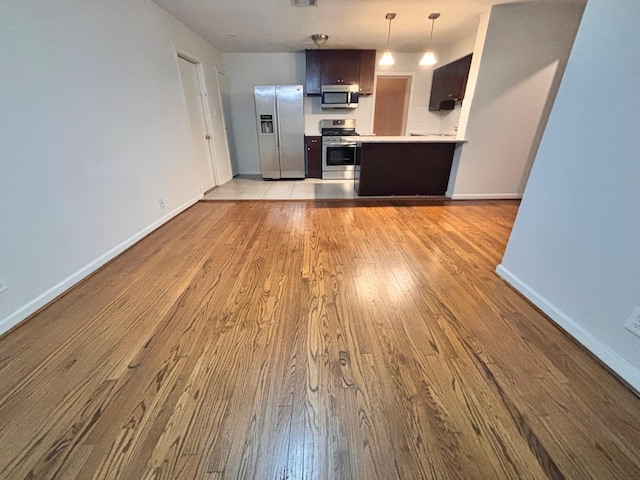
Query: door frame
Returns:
{"type": "Point", "coordinates": [408, 99]}
{"type": "Point", "coordinates": [225, 114]}
{"type": "Point", "coordinates": [208, 123]}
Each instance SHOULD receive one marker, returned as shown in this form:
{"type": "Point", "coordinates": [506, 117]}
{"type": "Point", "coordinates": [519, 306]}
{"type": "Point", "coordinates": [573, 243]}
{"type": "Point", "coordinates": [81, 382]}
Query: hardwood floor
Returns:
{"type": "Point", "coordinates": [292, 340]}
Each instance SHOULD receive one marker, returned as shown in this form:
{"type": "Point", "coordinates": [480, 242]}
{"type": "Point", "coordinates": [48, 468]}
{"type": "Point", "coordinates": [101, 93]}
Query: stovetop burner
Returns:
{"type": "Point", "coordinates": [337, 133]}
{"type": "Point", "coordinates": [338, 127]}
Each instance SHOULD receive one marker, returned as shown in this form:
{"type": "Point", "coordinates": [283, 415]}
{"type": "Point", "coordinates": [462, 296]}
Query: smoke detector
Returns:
{"type": "Point", "coordinates": [304, 3]}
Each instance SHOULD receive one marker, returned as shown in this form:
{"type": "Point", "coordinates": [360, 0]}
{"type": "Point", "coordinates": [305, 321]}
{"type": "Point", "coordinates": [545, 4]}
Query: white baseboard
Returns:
{"type": "Point", "coordinates": [34, 305]}
{"type": "Point", "coordinates": [486, 196]}
{"type": "Point", "coordinates": [615, 362]}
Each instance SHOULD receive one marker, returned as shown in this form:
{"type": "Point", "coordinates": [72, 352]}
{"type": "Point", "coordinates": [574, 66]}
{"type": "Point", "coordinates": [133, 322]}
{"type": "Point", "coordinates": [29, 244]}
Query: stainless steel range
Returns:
{"type": "Point", "coordinates": [338, 153]}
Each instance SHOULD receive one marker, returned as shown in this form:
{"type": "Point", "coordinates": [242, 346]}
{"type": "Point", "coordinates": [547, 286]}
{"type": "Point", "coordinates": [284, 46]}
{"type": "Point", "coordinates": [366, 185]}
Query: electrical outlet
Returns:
{"type": "Point", "coordinates": [3, 286]}
{"type": "Point", "coordinates": [161, 202]}
{"type": "Point", "coordinates": [633, 322]}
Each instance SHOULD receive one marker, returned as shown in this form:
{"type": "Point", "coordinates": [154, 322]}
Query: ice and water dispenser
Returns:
{"type": "Point", "coordinates": [266, 124]}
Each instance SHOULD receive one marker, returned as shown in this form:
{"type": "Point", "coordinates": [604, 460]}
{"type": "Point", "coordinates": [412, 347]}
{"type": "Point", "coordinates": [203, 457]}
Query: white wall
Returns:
{"type": "Point", "coordinates": [521, 52]}
{"type": "Point", "coordinates": [94, 132]}
{"type": "Point", "coordinates": [575, 246]}
{"type": "Point", "coordinates": [463, 47]}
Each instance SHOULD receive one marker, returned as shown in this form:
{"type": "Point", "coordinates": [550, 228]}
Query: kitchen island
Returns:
{"type": "Point", "coordinates": [407, 165]}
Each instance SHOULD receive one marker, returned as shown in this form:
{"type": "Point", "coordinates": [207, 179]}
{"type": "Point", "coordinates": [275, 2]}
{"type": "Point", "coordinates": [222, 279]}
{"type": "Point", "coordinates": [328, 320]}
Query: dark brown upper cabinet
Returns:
{"type": "Point", "coordinates": [367, 71]}
{"type": "Point", "coordinates": [314, 72]}
{"type": "Point", "coordinates": [340, 67]}
{"type": "Point", "coordinates": [449, 84]}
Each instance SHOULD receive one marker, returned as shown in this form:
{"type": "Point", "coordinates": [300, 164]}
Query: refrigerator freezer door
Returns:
{"type": "Point", "coordinates": [266, 121]}
{"type": "Point", "coordinates": [290, 128]}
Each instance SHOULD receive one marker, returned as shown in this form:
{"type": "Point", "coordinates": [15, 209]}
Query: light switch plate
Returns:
{"type": "Point", "coordinates": [3, 285]}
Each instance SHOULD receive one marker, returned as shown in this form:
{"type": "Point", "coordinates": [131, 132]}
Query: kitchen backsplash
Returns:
{"type": "Point", "coordinates": [420, 119]}
{"type": "Point", "coordinates": [313, 113]}
{"type": "Point", "coordinates": [449, 121]}
{"type": "Point", "coordinates": [423, 121]}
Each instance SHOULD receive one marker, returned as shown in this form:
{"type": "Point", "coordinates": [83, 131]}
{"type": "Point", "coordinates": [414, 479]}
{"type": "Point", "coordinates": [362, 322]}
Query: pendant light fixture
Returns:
{"type": "Point", "coordinates": [429, 58]}
{"type": "Point", "coordinates": [387, 58]}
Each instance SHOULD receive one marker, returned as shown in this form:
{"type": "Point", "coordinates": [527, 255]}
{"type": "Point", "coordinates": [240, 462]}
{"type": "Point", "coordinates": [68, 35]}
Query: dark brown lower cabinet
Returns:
{"type": "Point", "coordinates": [314, 156]}
{"type": "Point", "coordinates": [403, 168]}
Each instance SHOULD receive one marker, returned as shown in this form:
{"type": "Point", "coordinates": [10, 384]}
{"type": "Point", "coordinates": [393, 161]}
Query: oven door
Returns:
{"type": "Point", "coordinates": [338, 159]}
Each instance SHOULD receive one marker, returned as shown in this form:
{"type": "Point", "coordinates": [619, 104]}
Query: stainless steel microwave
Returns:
{"type": "Point", "coordinates": [339, 96]}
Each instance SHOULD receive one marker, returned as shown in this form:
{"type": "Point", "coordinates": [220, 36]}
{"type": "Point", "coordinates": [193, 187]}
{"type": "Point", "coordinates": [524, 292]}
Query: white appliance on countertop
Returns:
{"type": "Point", "coordinates": [280, 123]}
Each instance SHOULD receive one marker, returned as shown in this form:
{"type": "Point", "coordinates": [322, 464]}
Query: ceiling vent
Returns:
{"type": "Point", "coordinates": [304, 3]}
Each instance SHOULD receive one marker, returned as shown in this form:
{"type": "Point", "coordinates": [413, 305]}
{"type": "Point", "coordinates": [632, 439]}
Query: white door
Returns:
{"type": "Point", "coordinates": [200, 138]}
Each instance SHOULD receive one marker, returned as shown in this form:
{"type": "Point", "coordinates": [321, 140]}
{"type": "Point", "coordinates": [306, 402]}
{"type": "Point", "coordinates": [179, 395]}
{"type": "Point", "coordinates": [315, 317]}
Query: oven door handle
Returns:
{"type": "Point", "coordinates": [339, 144]}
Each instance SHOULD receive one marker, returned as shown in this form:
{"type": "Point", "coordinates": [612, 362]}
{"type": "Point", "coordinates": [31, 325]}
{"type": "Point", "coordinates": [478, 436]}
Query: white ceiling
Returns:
{"type": "Point", "coordinates": [277, 26]}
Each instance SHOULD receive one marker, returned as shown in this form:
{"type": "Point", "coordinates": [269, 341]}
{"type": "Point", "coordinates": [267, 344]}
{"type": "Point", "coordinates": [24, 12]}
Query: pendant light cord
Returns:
{"type": "Point", "coordinates": [389, 33]}
{"type": "Point", "coordinates": [433, 21]}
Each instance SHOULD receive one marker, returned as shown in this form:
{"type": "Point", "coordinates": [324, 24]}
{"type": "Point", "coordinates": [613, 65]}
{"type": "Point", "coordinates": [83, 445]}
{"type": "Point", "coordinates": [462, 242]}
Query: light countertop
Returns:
{"type": "Point", "coordinates": [406, 139]}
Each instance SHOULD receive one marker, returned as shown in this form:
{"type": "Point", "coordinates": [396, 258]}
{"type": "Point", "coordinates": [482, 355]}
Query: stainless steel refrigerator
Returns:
{"type": "Point", "coordinates": [280, 122]}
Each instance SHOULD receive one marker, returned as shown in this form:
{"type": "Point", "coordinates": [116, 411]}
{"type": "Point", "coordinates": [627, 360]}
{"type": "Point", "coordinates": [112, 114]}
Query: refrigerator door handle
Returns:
{"type": "Point", "coordinates": [277, 124]}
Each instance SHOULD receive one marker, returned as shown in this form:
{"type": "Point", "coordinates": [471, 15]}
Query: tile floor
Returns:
{"type": "Point", "coordinates": [253, 187]}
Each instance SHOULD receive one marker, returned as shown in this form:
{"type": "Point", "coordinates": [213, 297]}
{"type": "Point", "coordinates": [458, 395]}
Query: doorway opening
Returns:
{"type": "Point", "coordinates": [392, 105]}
